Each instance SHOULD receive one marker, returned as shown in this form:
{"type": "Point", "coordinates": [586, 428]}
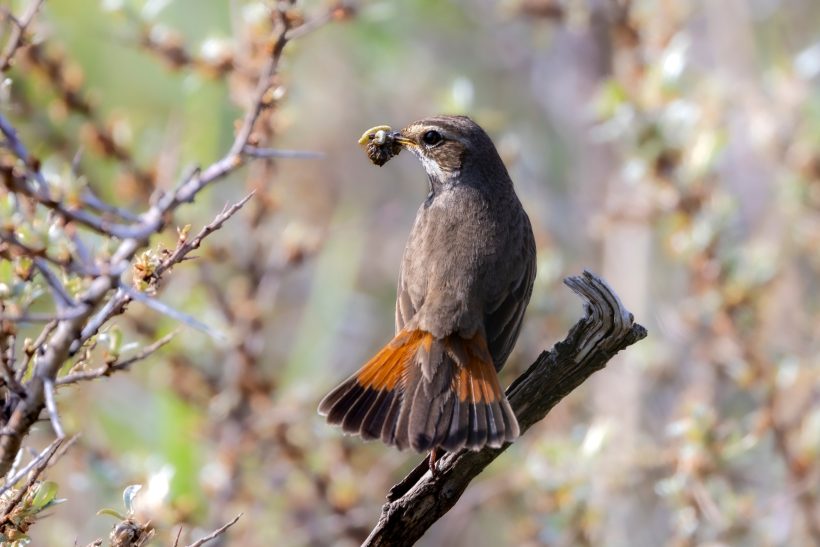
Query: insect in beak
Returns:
{"type": "Point", "coordinates": [381, 143]}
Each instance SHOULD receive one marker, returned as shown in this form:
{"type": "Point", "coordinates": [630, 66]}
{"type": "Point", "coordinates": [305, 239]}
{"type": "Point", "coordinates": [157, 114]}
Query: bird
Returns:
{"type": "Point", "coordinates": [465, 280]}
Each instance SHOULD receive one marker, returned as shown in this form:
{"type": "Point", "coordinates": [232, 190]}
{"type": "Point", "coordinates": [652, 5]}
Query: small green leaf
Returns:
{"type": "Point", "coordinates": [128, 496]}
{"type": "Point", "coordinates": [111, 512]}
{"type": "Point", "coordinates": [46, 491]}
{"type": "Point", "coordinates": [115, 341]}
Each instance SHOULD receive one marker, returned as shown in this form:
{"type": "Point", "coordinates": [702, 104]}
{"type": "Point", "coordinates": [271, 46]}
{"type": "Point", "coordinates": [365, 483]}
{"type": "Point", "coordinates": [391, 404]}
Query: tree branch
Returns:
{"type": "Point", "coordinates": [419, 500]}
{"type": "Point", "coordinates": [109, 368]}
{"type": "Point", "coordinates": [64, 338]}
{"type": "Point", "coordinates": [216, 533]}
{"type": "Point", "coordinates": [39, 462]}
{"type": "Point", "coordinates": [18, 33]}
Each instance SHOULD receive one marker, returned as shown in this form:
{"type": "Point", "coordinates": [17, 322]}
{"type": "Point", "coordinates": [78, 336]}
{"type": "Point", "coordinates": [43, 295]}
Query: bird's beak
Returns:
{"type": "Point", "coordinates": [401, 139]}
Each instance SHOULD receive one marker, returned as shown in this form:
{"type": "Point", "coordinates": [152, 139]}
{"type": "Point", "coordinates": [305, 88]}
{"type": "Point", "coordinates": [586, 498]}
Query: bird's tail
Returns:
{"type": "Point", "coordinates": [423, 392]}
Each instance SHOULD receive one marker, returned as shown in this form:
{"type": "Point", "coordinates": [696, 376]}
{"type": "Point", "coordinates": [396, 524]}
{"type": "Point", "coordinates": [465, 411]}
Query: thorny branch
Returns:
{"type": "Point", "coordinates": [36, 462]}
{"type": "Point", "coordinates": [78, 319]}
{"type": "Point", "coordinates": [19, 505]}
{"type": "Point", "coordinates": [18, 33]}
{"type": "Point", "coordinates": [419, 500]}
{"type": "Point", "coordinates": [109, 368]}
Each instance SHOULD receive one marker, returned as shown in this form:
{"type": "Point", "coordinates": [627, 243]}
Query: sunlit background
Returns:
{"type": "Point", "coordinates": [671, 146]}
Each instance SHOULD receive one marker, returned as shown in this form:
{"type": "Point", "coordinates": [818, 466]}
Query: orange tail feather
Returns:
{"type": "Point", "coordinates": [423, 392]}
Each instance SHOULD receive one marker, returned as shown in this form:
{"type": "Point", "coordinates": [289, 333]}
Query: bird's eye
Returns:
{"type": "Point", "coordinates": [431, 138]}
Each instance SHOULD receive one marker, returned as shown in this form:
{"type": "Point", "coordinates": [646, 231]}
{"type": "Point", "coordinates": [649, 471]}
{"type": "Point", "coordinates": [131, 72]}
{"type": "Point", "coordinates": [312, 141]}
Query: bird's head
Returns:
{"type": "Point", "coordinates": [447, 146]}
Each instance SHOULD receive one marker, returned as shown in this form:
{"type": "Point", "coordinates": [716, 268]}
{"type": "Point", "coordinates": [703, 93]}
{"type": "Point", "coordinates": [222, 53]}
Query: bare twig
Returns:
{"type": "Point", "coordinates": [18, 33]}
{"type": "Point", "coordinates": [111, 307]}
{"type": "Point", "coordinates": [13, 241]}
{"type": "Point", "coordinates": [185, 246]}
{"type": "Point", "coordinates": [7, 361]}
{"type": "Point", "coordinates": [51, 406]}
{"type": "Point", "coordinates": [310, 25]}
{"type": "Point", "coordinates": [67, 315]}
{"type": "Point", "coordinates": [42, 196]}
{"type": "Point", "coordinates": [274, 153]}
{"type": "Point", "coordinates": [62, 297]}
{"type": "Point", "coordinates": [8, 375]}
{"type": "Point", "coordinates": [41, 458]}
{"type": "Point", "coordinates": [165, 309]}
{"type": "Point", "coordinates": [262, 87]}
{"type": "Point", "coordinates": [108, 369]}
{"type": "Point", "coordinates": [31, 349]}
{"type": "Point", "coordinates": [91, 200]}
{"type": "Point", "coordinates": [215, 533]}
{"type": "Point", "coordinates": [16, 146]}
{"type": "Point", "coordinates": [414, 505]}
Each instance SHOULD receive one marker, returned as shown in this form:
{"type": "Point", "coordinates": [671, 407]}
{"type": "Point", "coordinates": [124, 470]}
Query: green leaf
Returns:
{"type": "Point", "coordinates": [114, 344]}
{"type": "Point", "coordinates": [112, 513]}
{"type": "Point", "coordinates": [46, 492]}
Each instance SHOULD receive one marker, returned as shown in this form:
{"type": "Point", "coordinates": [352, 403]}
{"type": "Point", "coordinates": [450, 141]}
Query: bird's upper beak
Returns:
{"type": "Point", "coordinates": [399, 137]}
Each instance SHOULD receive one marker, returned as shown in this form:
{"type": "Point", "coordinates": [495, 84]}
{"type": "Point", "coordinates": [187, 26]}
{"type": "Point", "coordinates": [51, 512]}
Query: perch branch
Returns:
{"type": "Point", "coordinates": [607, 328]}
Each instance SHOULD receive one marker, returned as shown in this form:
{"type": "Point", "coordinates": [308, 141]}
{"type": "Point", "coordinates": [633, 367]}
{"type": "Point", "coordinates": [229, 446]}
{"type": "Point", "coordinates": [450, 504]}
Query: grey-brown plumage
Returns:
{"type": "Point", "coordinates": [466, 278]}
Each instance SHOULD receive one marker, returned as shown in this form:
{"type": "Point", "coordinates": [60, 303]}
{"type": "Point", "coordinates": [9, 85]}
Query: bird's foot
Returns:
{"type": "Point", "coordinates": [432, 462]}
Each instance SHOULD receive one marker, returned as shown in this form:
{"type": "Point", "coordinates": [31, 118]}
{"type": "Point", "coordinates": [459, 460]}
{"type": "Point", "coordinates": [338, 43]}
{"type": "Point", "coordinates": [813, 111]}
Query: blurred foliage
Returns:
{"type": "Point", "coordinates": [692, 126]}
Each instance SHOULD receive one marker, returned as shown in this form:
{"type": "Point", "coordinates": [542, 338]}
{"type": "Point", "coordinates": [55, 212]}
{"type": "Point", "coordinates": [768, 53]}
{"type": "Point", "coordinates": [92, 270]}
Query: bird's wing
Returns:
{"type": "Point", "coordinates": [502, 322]}
{"type": "Point", "coordinates": [404, 305]}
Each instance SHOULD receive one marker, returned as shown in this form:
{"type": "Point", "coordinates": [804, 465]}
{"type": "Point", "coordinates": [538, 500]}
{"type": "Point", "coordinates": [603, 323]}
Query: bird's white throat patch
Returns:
{"type": "Point", "coordinates": [435, 171]}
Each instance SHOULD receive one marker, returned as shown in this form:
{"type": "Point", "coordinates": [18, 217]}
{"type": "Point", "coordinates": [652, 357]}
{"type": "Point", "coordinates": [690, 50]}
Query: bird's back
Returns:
{"type": "Point", "coordinates": [467, 251]}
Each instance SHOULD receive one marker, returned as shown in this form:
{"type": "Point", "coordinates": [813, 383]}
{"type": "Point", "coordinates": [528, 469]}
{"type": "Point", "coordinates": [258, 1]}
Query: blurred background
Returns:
{"type": "Point", "coordinates": [671, 146]}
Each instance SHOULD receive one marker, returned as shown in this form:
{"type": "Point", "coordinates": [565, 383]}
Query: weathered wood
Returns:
{"type": "Point", "coordinates": [419, 500]}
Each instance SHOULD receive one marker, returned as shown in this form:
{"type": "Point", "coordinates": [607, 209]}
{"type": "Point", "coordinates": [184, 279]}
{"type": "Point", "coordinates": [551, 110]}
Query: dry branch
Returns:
{"type": "Point", "coordinates": [216, 533]}
{"type": "Point", "coordinates": [39, 462]}
{"type": "Point", "coordinates": [18, 33]}
{"type": "Point", "coordinates": [110, 368]}
{"type": "Point", "coordinates": [420, 500]}
{"type": "Point", "coordinates": [104, 297]}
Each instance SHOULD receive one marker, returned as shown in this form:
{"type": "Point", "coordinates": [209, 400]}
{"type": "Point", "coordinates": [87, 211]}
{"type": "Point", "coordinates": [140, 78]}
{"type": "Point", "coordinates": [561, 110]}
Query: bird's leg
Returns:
{"type": "Point", "coordinates": [432, 459]}
{"type": "Point", "coordinates": [415, 476]}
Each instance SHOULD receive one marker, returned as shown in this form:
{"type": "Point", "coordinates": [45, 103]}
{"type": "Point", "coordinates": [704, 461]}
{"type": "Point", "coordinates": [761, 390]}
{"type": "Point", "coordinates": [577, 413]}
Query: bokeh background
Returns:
{"type": "Point", "coordinates": [671, 146]}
